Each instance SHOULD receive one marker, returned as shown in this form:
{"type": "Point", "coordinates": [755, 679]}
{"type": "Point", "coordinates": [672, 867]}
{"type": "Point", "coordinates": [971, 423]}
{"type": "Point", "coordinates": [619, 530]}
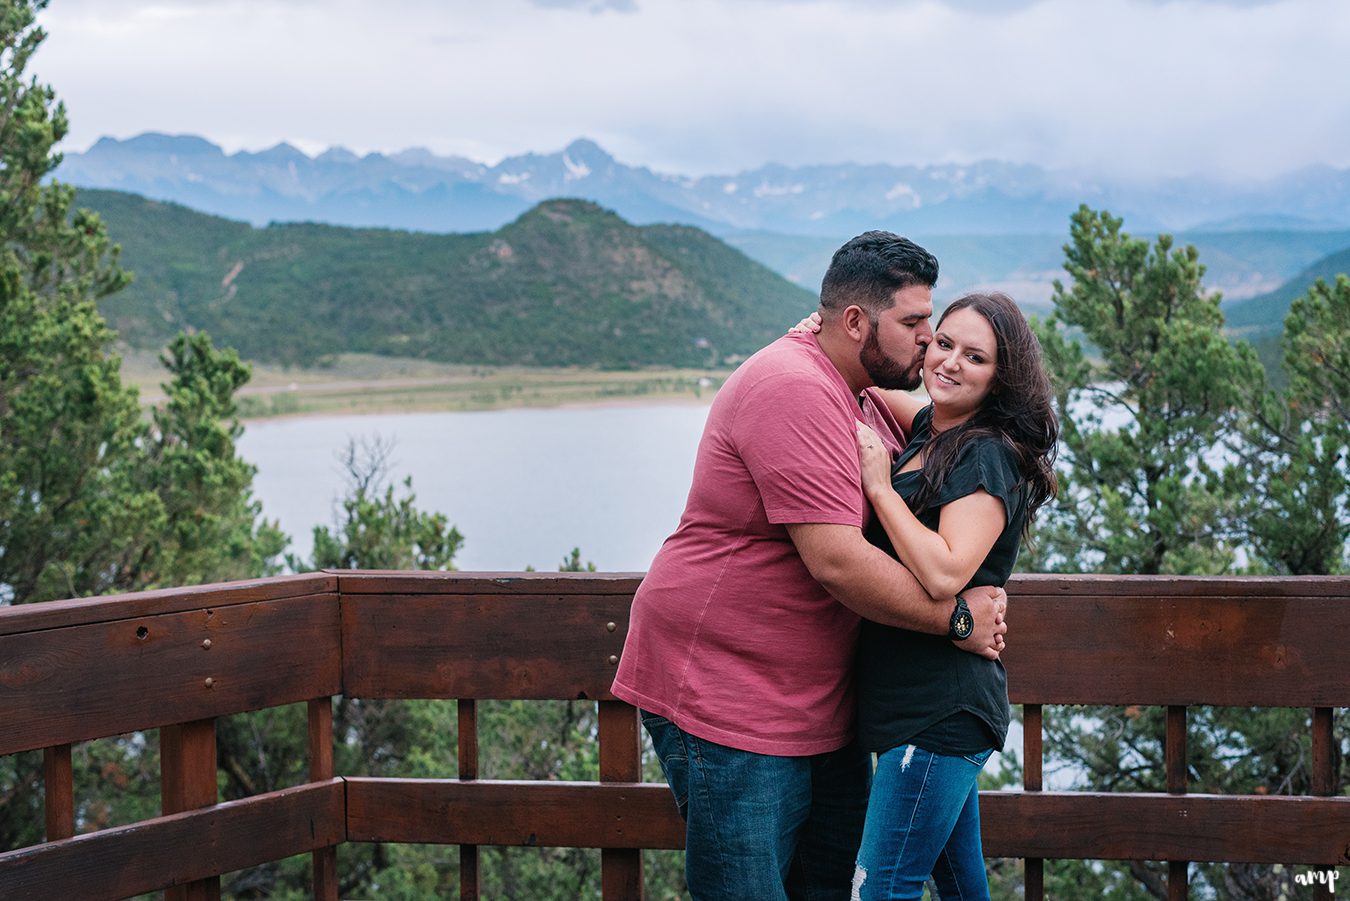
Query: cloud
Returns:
{"type": "Point", "coordinates": [715, 86]}
{"type": "Point", "coordinates": [592, 6]}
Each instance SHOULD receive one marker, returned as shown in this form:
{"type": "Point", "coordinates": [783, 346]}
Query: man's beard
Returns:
{"type": "Point", "coordinates": [886, 372]}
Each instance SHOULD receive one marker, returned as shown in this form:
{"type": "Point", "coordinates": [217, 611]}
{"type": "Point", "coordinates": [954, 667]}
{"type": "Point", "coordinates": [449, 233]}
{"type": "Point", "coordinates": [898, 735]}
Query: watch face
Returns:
{"type": "Point", "coordinates": [963, 625]}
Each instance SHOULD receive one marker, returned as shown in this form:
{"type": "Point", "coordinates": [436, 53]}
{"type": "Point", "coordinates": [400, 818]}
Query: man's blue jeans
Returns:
{"type": "Point", "coordinates": [924, 818]}
{"type": "Point", "coordinates": [764, 828]}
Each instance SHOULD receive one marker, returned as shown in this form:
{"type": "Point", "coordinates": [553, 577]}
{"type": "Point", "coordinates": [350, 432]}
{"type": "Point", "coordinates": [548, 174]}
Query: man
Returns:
{"type": "Point", "coordinates": [740, 647]}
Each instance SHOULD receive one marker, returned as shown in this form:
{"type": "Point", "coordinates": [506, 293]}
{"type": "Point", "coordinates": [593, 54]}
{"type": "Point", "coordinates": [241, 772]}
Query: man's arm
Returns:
{"type": "Point", "coordinates": [870, 583]}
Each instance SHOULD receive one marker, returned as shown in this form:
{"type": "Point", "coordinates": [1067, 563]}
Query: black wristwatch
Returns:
{"type": "Point", "coordinates": [962, 623]}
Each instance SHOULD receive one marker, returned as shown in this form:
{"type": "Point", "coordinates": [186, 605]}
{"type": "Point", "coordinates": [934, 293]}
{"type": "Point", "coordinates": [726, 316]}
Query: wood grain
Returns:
{"type": "Point", "coordinates": [90, 681]}
{"type": "Point", "coordinates": [562, 814]}
{"type": "Point", "coordinates": [482, 646]}
{"type": "Point", "coordinates": [178, 849]}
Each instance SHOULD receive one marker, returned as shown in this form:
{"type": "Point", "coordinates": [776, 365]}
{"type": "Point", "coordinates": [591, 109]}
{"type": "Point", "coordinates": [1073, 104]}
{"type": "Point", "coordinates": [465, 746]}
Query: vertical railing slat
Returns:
{"type": "Point", "coordinates": [1323, 773]}
{"type": "Point", "coordinates": [187, 782]}
{"type": "Point", "coordinates": [324, 860]}
{"type": "Point", "coordinates": [58, 784]}
{"type": "Point", "coordinates": [620, 761]}
{"type": "Point", "coordinates": [468, 769]}
{"type": "Point", "coordinates": [1032, 738]}
{"type": "Point", "coordinates": [1174, 758]}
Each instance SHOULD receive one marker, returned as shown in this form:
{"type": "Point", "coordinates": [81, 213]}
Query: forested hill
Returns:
{"type": "Point", "coordinates": [568, 283]}
{"type": "Point", "coordinates": [1263, 316]}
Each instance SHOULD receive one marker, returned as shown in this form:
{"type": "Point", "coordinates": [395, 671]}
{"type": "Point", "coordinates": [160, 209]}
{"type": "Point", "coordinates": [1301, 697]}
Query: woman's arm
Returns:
{"type": "Point", "coordinates": [904, 406]}
{"type": "Point", "coordinates": [945, 560]}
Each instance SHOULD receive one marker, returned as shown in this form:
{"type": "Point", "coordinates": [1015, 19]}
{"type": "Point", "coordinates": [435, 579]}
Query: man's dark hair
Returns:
{"type": "Point", "coordinates": [869, 269]}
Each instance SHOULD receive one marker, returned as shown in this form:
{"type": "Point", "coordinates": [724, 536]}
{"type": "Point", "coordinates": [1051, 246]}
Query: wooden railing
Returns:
{"type": "Point", "coordinates": [72, 671]}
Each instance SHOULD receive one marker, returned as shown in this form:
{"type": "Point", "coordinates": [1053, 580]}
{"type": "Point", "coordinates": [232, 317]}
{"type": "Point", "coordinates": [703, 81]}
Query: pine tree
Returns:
{"type": "Point", "coordinates": [1294, 449]}
{"type": "Point", "coordinates": [1141, 488]}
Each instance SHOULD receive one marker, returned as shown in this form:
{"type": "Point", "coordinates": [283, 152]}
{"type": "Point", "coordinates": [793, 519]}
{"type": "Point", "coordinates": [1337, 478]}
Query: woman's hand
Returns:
{"type": "Point", "coordinates": [875, 458]}
{"type": "Point", "coordinates": [809, 324]}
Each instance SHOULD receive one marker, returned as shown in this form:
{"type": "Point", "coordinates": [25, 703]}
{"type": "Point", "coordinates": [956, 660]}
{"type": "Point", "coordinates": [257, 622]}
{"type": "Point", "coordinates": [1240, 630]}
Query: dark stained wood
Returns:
{"type": "Point", "coordinates": [58, 783]}
{"type": "Point", "coordinates": [1175, 752]}
{"type": "Point", "coordinates": [187, 766]}
{"type": "Point", "coordinates": [1324, 774]}
{"type": "Point", "coordinates": [177, 849]}
{"type": "Point", "coordinates": [482, 646]}
{"type": "Point", "coordinates": [1323, 752]}
{"type": "Point", "coordinates": [1033, 735]}
{"type": "Point", "coordinates": [81, 682]}
{"type": "Point", "coordinates": [1178, 880]}
{"type": "Point", "coordinates": [468, 873]}
{"type": "Point", "coordinates": [506, 583]}
{"type": "Point", "coordinates": [320, 719]}
{"type": "Point", "coordinates": [188, 781]}
{"type": "Point", "coordinates": [323, 870]}
{"type": "Point", "coordinates": [620, 743]}
{"type": "Point", "coordinates": [114, 608]}
{"type": "Point", "coordinates": [467, 713]}
{"type": "Point", "coordinates": [1035, 878]}
{"type": "Point", "coordinates": [1177, 650]}
{"type": "Point", "coordinates": [620, 761]}
{"type": "Point", "coordinates": [1085, 585]}
{"type": "Point", "coordinates": [1174, 756]}
{"type": "Point", "coordinates": [1146, 826]}
{"type": "Point", "coordinates": [561, 814]}
{"type": "Point", "coordinates": [1032, 754]}
{"type": "Point", "coordinates": [323, 863]}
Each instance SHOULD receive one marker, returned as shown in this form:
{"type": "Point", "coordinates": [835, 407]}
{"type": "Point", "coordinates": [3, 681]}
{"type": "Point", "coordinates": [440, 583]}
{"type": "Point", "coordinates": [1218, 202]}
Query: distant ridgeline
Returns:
{"type": "Point", "coordinates": [1262, 316]}
{"type": "Point", "coordinates": [567, 283]}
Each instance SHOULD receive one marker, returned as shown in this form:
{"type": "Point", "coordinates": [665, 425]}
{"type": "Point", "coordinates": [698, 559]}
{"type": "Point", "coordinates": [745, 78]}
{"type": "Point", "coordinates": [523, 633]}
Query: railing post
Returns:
{"type": "Point", "coordinates": [324, 860]}
{"type": "Point", "coordinates": [620, 761]}
{"type": "Point", "coordinates": [1323, 774]}
{"type": "Point", "coordinates": [468, 769]}
{"type": "Point", "coordinates": [1031, 781]}
{"type": "Point", "coordinates": [187, 770]}
{"type": "Point", "coordinates": [58, 786]}
{"type": "Point", "coordinates": [1174, 757]}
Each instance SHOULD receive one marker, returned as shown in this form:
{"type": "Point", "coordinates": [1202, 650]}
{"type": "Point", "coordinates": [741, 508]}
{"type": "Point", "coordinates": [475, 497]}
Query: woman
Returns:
{"type": "Point", "coordinates": [953, 508]}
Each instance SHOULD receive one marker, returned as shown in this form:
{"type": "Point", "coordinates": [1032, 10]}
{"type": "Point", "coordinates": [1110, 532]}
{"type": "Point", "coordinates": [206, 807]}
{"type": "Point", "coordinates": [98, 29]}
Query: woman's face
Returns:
{"type": "Point", "coordinates": [960, 365]}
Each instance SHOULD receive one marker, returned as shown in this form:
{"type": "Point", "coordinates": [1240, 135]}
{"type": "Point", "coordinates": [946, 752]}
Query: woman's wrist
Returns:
{"type": "Point", "coordinates": [877, 491]}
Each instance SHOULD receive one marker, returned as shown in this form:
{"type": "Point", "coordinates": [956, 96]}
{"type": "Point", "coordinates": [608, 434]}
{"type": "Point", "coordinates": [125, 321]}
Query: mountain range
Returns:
{"type": "Point", "coordinates": [423, 191]}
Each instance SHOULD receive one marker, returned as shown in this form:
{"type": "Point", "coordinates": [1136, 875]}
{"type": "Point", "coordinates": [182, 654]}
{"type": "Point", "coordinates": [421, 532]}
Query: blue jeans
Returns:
{"type": "Point", "coordinates": [924, 819]}
{"type": "Point", "coordinates": [759, 827]}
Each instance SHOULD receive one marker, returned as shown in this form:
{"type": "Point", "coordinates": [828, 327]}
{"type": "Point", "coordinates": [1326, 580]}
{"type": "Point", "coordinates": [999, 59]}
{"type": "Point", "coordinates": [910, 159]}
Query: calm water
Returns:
{"type": "Point", "coordinates": [523, 486]}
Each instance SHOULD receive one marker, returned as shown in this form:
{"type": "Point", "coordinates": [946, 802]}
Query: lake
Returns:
{"type": "Point", "coordinates": [524, 486]}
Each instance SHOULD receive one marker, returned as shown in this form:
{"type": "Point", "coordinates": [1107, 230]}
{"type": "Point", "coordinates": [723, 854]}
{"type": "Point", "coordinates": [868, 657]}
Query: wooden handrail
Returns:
{"type": "Point", "coordinates": [72, 671]}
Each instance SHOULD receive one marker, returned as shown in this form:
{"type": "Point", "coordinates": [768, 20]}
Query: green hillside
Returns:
{"type": "Point", "coordinates": [568, 283]}
{"type": "Point", "coordinates": [1263, 316]}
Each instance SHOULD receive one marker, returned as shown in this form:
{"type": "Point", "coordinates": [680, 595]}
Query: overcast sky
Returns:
{"type": "Point", "coordinates": [1127, 87]}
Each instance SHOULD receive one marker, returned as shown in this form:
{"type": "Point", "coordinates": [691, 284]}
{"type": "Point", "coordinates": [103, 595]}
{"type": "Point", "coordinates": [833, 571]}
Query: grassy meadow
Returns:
{"type": "Point", "coordinates": [366, 383]}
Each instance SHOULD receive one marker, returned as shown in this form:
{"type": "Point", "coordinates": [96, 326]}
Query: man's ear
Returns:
{"type": "Point", "coordinates": [855, 321]}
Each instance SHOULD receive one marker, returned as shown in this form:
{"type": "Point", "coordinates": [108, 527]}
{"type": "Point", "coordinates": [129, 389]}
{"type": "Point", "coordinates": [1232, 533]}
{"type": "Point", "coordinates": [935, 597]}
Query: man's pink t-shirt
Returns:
{"type": "Point", "coordinates": [730, 638]}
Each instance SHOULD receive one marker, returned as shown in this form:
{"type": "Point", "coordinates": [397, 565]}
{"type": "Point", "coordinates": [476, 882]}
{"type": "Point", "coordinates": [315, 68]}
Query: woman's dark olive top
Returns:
{"type": "Point", "coordinates": [921, 689]}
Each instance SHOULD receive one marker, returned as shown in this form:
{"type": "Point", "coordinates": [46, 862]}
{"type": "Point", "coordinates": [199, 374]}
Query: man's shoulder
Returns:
{"type": "Point", "coordinates": [791, 361]}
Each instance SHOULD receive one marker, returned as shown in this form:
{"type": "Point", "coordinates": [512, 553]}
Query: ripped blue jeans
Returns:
{"type": "Point", "coordinates": [923, 818]}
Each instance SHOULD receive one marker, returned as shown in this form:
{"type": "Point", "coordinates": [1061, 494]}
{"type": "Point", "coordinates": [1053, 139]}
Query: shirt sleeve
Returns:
{"type": "Point", "coordinates": [796, 436]}
{"type": "Point", "coordinates": [984, 463]}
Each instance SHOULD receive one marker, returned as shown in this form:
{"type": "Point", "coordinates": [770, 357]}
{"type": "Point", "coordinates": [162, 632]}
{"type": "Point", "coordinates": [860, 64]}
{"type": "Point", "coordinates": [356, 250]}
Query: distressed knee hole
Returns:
{"type": "Point", "coordinates": [859, 877]}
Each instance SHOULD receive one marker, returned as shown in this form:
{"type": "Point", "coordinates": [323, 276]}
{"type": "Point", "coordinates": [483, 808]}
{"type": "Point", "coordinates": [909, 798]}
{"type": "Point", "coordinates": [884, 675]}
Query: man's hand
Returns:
{"type": "Point", "coordinates": [988, 605]}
